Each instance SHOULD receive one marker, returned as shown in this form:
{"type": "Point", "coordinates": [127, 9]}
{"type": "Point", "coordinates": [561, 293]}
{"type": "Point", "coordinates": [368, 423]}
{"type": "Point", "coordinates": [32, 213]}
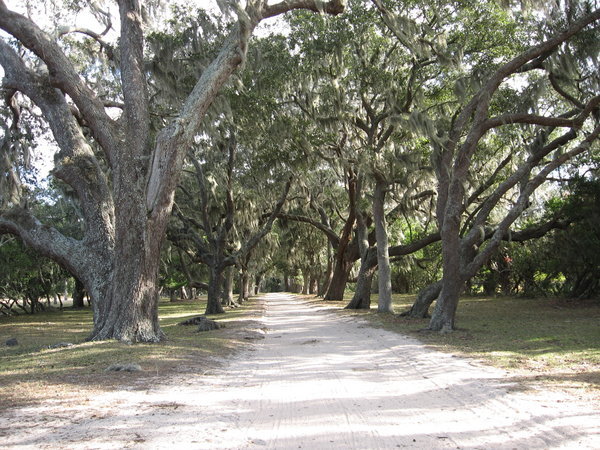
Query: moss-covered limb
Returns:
{"type": "Point", "coordinates": [76, 163]}
{"type": "Point", "coordinates": [64, 75]}
{"type": "Point", "coordinates": [332, 7]}
{"type": "Point", "coordinates": [44, 239]}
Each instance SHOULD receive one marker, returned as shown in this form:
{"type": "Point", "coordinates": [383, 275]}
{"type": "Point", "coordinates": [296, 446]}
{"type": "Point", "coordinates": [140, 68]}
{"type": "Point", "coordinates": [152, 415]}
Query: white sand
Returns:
{"type": "Point", "coordinates": [318, 381]}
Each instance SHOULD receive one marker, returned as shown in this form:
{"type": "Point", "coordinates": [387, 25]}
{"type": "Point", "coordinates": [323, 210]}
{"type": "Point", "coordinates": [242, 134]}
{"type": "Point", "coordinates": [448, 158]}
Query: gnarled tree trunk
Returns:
{"type": "Point", "coordinates": [425, 297]}
{"type": "Point", "coordinates": [117, 260]}
{"type": "Point", "coordinates": [362, 294]}
{"type": "Point", "coordinates": [346, 253]}
{"type": "Point", "coordinates": [215, 286]}
{"type": "Point", "coordinates": [341, 272]}
{"type": "Point", "coordinates": [368, 265]}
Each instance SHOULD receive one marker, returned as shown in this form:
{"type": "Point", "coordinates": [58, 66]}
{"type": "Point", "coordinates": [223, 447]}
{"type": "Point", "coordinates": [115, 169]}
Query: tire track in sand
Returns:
{"type": "Point", "coordinates": [319, 381]}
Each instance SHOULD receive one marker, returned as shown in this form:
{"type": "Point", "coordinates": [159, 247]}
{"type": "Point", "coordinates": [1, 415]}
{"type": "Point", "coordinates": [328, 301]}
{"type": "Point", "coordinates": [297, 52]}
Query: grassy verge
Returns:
{"type": "Point", "coordinates": [31, 372]}
{"type": "Point", "coordinates": [549, 341]}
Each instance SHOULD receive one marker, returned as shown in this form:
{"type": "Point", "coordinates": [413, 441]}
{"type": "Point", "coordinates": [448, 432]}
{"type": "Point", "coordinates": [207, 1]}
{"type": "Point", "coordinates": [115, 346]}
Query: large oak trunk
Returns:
{"type": "Point", "coordinates": [327, 276]}
{"type": "Point", "coordinates": [227, 294]}
{"type": "Point", "coordinates": [444, 312]}
{"type": "Point", "coordinates": [215, 285]}
{"type": "Point", "coordinates": [345, 253]}
{"type": "Point", "coordinates": [132, 302]}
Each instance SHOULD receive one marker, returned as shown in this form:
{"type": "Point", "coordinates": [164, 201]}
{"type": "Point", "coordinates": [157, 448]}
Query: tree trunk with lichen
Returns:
{"type": "Point", "coordinates": [368, 265]}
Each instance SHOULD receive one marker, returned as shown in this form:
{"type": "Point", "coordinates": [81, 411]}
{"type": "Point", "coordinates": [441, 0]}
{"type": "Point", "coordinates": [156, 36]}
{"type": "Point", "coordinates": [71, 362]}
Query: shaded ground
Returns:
{"type": "Point", "coordinates": [317, 380]}
{"type": "Point", "coordinates": [546, 343]}
{"type": "Point", "coordinates": [31, 373]}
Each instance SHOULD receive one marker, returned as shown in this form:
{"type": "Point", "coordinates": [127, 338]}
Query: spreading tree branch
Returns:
{"type": "Point", "coordinates": [64, 76]}
{"type": "Point", "coordinates": [253, 241]}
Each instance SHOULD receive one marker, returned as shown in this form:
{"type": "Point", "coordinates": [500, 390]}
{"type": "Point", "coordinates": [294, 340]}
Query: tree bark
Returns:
{"type": "Point", "coordinates": [345, 256]}
{"type": "Point", "coordinates": [227, 294]}
{"type": "Point", "coordinates": [337, 287]}
{"type": "Point", "coordinates": [78, 294]}
{"type": "Point", "coordinates": [215, 286]}
{"type": "Point", "coordinates": [244, 286]}
{"type": "Point", "coordinates": [442, 318]}
{"type": "Point", "coordinates": [133, 299]}
{"type": "Point", "coordinates": [426, 296]}
{"type": "Point", "coordinates": [362, 294]}
{"type": "Point", "coordinates": [384, 303]}
{"type": "Point", "coordinates": [444, 313]}
{"type": "Point", "coordinates": [368, 264]}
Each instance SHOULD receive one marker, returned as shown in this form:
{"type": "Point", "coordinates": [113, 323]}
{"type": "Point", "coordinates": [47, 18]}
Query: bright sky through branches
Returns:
{"type": "Point", "coordinates": [53, 18]}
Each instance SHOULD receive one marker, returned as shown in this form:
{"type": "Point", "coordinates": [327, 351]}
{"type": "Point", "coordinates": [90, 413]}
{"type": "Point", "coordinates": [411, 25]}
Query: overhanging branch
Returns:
{"type": "Point", "coordinates": [64, 76]}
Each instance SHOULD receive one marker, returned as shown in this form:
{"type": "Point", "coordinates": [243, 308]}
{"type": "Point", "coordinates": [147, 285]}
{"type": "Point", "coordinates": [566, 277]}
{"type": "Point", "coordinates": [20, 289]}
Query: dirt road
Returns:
{"type": "Point", "coordinates": [320, 381]}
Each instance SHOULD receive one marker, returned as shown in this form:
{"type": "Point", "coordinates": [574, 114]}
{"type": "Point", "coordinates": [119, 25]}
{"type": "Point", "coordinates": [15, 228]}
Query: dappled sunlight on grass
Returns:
{"type": "Point", "coordinates": [28, 368]}
{"type": "Point", "coordinates": [551, 338]}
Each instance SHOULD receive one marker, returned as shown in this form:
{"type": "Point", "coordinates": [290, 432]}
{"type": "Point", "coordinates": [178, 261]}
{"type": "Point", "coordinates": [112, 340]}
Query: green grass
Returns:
{"type": "Point", "coordinates": [542, 340]}
{"type": "Point", "coordinates": [31, 371]}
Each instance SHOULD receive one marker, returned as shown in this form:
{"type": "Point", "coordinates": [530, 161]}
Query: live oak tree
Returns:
{"type": "Point", "coordinates": [433, 39]}
{"type": "Point", "coordinates": [212, 210]}
{"type": "Point", "coordinates": [229, 198]}
{"type": "Point", "coordinates": [123, 173]}
{"type": "Point", "coordinates": [474, 55]}
{"type": "Point", "coordinates": [371, 93]}
{"type": "Point", "coordinates": [567, 129]}
{"type": "Point", "coordinates": [347, 89]}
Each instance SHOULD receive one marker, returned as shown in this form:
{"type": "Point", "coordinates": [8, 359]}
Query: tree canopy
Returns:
{"type": "Point", "coordinates": [433, 146]}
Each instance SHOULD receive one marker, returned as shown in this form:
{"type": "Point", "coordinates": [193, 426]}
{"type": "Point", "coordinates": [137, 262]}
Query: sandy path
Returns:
{"type": "Point", "coordinates": [318, 381]}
